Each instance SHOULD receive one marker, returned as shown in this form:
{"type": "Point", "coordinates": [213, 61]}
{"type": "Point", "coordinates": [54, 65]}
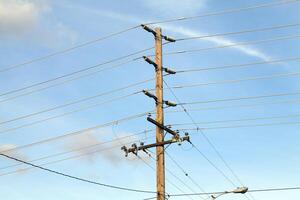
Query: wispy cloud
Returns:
{"type": "Point", "coordinates": [186, 32]}
{"type": "Point", "coordinates": [175, 7]}
{"type": "Point", "coordinates": [94, 147]}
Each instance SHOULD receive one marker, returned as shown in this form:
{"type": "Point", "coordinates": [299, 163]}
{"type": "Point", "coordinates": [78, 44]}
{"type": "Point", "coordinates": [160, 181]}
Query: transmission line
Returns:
{"type": "Point", "coordinates": [63, 51]}
{"type": "Point", "coordinates": [255, 78]}
{"type": "Point", "coordinates": [75, 177]}
{"type": "Point", "coordinates": [82, 70]}
{"type": "Point", "coordinates": [131, 117]}
{"type": "Point", "coordinates": [75, 156]}
{"type": "Point", "coordinates": [237, 65]}
{"type": "Point", "coordinates": [40, 112]}
{"type": "Point", "coordinates": [240, 32]}
{"type": "Point", "coordinates": [210, 143]}
{"type": "Point", "coordinates": [232, 45]}
{"type": "Point", "coordinates": [249, 191]}
{"type": "Point", "coordinates": [243, 98]}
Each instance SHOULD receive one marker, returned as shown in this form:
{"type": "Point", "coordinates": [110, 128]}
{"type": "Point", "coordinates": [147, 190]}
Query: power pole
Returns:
{"type": "Point", "coordinates": [160, 151]}
{"type": "Point", "coordinates": [159, 122]}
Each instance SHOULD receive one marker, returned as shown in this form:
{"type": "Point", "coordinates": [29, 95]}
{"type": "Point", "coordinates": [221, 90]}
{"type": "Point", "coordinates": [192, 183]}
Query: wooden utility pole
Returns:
{"type": "Point", "coordinates": [160, 154]}
{"type": "Point", "coordinates": [159, 121]}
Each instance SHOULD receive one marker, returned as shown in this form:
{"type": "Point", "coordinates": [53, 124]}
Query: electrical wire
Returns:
{"type": "Point", "coordinates": [240, 120]}
{"type": "Point", "coordinates": [63, 51]}
{"type": "Point", "coordinates": [82, 70]}
{"type": "Point", "coordinates": [243, 98]}
{"type": "Point", "coordinates": [174, 175]}
{"type": "Point", "coordinates": [231, 45]}
{"type": "Point", "coordinates": [98, 104]}
{"type": "Point", "coordinates": [243, 126]}
{"type": "Point", "coordinates": [240, 106]}
{"type": "Point", "coordinates": [227, 11]}
{"type": "Point", "coordinates": [77, 101]}
{"type": "Point", "coordinates": [185, 173]}
{"type": "Point", "coordinates": [238, 65]}
{"type": "Point", "coordinates": [75, 177]}
{"type": "Point", "coordinates": [249, 191]}
{"type": "Point", "coordinates": [128, 118]}
{"type": "Point", "coordinates": [240, 32]}
{"type": "Point", "coordinates": [62, 82]}
{"type": "Point", "coordinates": [255, 78]}
{"type": "Point", "coordinates": [117, 139]}
{"type": "Point", "coordinates": [210, 143]}
{"type": "Point", "coordinates": [222, 12]}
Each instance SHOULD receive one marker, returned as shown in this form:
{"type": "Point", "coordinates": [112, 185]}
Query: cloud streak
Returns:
{"type": "Point", "coordinates": [186, 32]}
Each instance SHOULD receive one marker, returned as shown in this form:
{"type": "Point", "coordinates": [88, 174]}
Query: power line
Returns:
{"type": "Point", "coordinates": [131, 117]}
{"type": "Point", "coordinates": [237, 65]}
{"type": "Point", "coordinates": [249, 191]}
{"type": "Point", "coordinates": [243, 98]}
{"type": "Point", "coordinates": [174, 175]}
{"type": "Point", "coordinates": [82, 70]}
{"type": "Point", "coordinates": [240, 120]}
{"type": "Point", "coordinates": [210, 143]}
{"type": "Point", "coordinates": [255, 78]}
{"type": "Point", "coordinates": [62, 82]}
{"type": "Point", "coordinates": [75, 150]}
{"type": "Point", "coordinates": [185, 173]}
{"type": "Point", "coordinates": [240, 32]}
{"type": "Point", "coordinates": [76, 178]}
{"type": "Point", "coordinates": [191, 118]}
{"type": "Point", "coordinates": [243, 126]}
{"type": "Point", "coordinates": [232, 45]}
{"type": "Point", "coordinates": [222, 12]}
{"type": "Point", "coordinates": [240, 106]}
{"type": "Point", "coordinates": [63, 51]}
{"type": "Point", "coordinates": [43, 111]}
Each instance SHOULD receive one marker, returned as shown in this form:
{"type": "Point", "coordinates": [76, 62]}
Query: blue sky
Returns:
{"type": "Point", "coordinates": [263, 157]}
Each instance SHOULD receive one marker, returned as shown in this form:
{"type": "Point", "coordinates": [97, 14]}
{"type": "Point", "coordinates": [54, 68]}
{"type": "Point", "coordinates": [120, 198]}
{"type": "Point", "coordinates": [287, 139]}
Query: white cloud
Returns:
{"type": "Point", "coordinates": [32, 20]}
{"type": "Point", "coordinates": [18, 17]}
{"type": "Point", "coordinates": [175, 7]}
{"type": "Point", "coordinates": [218, 41]}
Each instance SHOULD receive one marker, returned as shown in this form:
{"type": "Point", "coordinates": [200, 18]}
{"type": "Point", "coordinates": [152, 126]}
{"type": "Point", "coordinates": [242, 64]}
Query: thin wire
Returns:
{"type": "Point", "coordinates": [155, 22]}
{"type": "Point", "coordinates": [255, 78]}
{"type": "Point", "coordinates": [240, 106]}
{"type": "Point", "coordinates": [231, 45]}
{"type": "Point", "coordinates": [185, 173]}
{"type": "Point", "coordinates": [63, 82]}
{"type": "Point", "coordinates": [76, 101]}
{"type": "Point", "coordinates": [76, 178]}
{"type": "Point", "coordinates": [222, 12]}
{"type": "Point", "coordinates": [210, 143]}
{"type": "Point", "coordinates": [80, 71]}
{"type": "Point", "coordinates": [238, 65]}
{"type": "Point", "coordinates": [174, 175]}
{"type": "Point", "coordinates": [239, 120]}
{"type": "Point", "coordinates": [131, 117]}
{"type": "Point", "coordinates": [65, 159]}
{"type": "Point", "coordinates": [171, 183]}
{"type": "Point", "coordinates": [82, 148]}
{"type": "Point", "coordinates": [243, 98]}
{"type": "Point", "coordinates": [240, 32]}
{"type": "Point", "coordinates": [102, 103]}
{"type": "Point", "coordinates": [63, 51]}
{"type": "Point", "coordinates": [249, 191]}
{"type": "Point", "coordinates": [244, 126]}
